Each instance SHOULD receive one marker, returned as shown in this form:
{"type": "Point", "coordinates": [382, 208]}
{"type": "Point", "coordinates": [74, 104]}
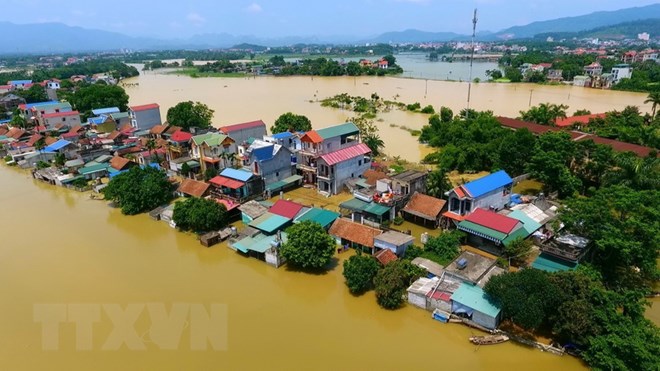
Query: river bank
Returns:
{"type": "Point", "coordinates": [267, 97]}
{"type": "Point", "coordinates": [97, 255]}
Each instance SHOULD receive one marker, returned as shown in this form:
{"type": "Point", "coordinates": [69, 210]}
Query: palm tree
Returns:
{"type": "Point", "coordinates": [437, 183]}
{"type": "Point", "coordinates": [654, 99]}
{"type": "Point", "coordinates": [634, 172]}
{"type": "Point", "coordinates": [374, 143]}
{"type": "Point", "coordinates": [151, 146]}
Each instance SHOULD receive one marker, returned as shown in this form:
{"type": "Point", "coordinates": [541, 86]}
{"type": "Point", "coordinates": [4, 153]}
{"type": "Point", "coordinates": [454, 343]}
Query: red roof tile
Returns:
{"type": "Point", "coordinates": [354, 232]}
{"type": "Point", "coordinates": [425, 206]}
{"type": "Point", "coordinates": [492, 220]}
{"type": "Point", "coordinates": [287, 209]}
{"type": "Point", "coordinates": [181, 136]}
{"type": "Point", "coordinates": [33, 139]}
{"type": "Point", "coordinates": [385, 256]}
{"type": "Point", "coordinates": [60, 114]}
{"type": "Point", "coordinates": [193, 187]}
{"type": "Point", "coordinates": [145, 107]}
{"type": "Point", "coordinates": [459, 192]}
{"type": "Point", "coordinates": [346, 154]}
{"type": "Point", "coordinates": [582, 119]}
{"type": "Point", "coordinates": [619, 146]}
{"type": "Point", "coordinates": [222, 181]}
{"type": "Point", "coordinates": [119, 163]}
{"type": "Point", "coordinates": [454, 216]}
{"type": "Point", "coordinates": [312, 137]}
{"type": "Point", "coordinates": [158, 129]}
{"type": "Point", "coordinates": [246, 125]}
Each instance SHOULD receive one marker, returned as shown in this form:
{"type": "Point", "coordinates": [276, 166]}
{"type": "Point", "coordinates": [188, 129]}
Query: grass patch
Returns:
{"type": "Point", "coordinates": [434, 257]}
{"type": "Point", "coordinates": [502, 80]}
{"type": "Point", "coordinates": [528, 187]}
{"type": "Point", "coordinates": [194, 73]}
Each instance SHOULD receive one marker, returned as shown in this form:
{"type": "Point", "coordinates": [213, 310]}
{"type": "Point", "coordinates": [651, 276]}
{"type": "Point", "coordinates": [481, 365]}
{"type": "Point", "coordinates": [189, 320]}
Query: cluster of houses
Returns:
{"type": "Point", "coordinates": [592, 77]}
{"type": "Point", "coordinates": [242, 166]}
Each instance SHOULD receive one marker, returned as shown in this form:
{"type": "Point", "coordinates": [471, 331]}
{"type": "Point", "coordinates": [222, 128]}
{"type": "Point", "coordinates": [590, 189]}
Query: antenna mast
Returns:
{"type": "Point", "coordinates": [474, 29]}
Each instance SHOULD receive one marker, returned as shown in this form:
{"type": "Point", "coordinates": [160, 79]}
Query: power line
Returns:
{"type": "Point", "coordinates": [474, 29]}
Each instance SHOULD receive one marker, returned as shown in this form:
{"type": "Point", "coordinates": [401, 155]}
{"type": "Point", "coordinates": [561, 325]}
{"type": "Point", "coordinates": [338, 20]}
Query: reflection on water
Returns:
{"type": "Point", "coordinates": [266, 97]}
{"type": "Point", "coordinates": [86, 252]}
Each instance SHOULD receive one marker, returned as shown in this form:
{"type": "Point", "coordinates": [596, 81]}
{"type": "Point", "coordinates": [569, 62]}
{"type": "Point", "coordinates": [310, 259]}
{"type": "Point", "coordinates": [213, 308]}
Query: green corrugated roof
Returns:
{"type": "Point", "coordinates": [211, 139]}
{"type": "Point", "coordinates": [518, 233]}
{"type": "Point", "coordinates": [321, 216]}
{"type": "Point", "coordinates": [475, 298]}
{"type": "Point", "coordinates": [548, 263]}
{"type": "Point", "coordinates": [92, 169]}
{"type": "Point", "coordinates": [481, 229]}
{"type": "Point", "coordinates": [356, 204]}
{"type": "Point", "coordinates": [119, 115]}
{"type": "Point", "coordinates": [529, 224]}
{"type": "Point", "coordinates": [337, 130]}
{"type": "Point", "coordinates": [283, 183]}
{"type": "Point", "coordinates": [269, 222]}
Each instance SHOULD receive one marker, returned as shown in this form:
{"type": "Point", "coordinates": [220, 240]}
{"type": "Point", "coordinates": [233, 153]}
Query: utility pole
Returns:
{"type": "Point", "coordinates": [474, 28]}
{"type": "Point", "coordinates": [530, 97]}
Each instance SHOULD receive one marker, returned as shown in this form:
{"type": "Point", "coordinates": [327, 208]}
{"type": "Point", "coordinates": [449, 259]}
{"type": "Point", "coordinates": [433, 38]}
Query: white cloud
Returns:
{"type": "Point", "coordinates": [195, 18]}
{"type": "Point", "coordinates": [254, 8]}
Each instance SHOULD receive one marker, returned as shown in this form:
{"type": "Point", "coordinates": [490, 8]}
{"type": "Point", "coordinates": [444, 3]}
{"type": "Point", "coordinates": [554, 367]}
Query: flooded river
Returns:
{"type": "Point", "coordinates": [61, 248]}
{"type": "Point", "coordinates": [266, 97]}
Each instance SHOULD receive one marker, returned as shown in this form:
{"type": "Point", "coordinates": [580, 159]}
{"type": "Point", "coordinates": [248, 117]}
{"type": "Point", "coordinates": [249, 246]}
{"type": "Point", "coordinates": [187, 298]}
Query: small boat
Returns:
{"type": "Point", "coordinates": [489, 339]}
{"type": "Point", "coordinates": [440, 315]}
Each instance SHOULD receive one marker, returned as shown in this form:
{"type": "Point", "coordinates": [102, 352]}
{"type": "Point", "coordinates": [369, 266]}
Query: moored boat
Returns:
{"type": "Point", "coordinates": [489, 339]}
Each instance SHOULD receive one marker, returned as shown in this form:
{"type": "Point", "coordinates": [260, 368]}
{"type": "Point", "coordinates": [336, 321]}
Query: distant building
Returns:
{"type": "Point", "coordinates": [621, 71]}
{"type": "Point", "coordinates": [10, 102]}
{"type": "Point", "coordinates": [70, 119]}
{"type": "Point", "coordinates": [20, 84]}
{"type": "Point", "coordinates": [644, 36]}
{"type": "Point", "coordinates": [555, 75]}
{"type": "Point", "coordinates": [582, 81]}
{"type": "Point", "coordinates": [243, 132]}
{"type": "Point", "coordinates": [594, 69]}
{"type": "Point", "coordinates": [144, 117]}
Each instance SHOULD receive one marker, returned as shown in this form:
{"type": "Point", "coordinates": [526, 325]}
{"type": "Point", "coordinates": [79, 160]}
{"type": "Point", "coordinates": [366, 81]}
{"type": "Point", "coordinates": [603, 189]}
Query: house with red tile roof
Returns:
{"type": "Point", "coordinates": [351, 234]}
{"type": "Point", "coordinates": [144, 117]}
{"type": "Point", "coordinates": [577, 121]}
{"type": "Point", "coordinates": [241, 133]}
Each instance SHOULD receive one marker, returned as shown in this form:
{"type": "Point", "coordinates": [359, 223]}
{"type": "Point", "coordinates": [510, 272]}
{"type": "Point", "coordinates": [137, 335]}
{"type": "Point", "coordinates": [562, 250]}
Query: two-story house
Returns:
{"type": "Point", "coordinates": [144, 117]}
{"type": "Point", "coordinates": [67, 118]}
{"type": "Point", "coordinates": [213, 150]}
{"type": "Point", "coordinates": [273, 162]}
{"type": "Point", "coordinates": [331, 156]}
{"type": "Point", "coordinates": [621, 71]}
{"type": "Point", "coordinates": [491, 192]}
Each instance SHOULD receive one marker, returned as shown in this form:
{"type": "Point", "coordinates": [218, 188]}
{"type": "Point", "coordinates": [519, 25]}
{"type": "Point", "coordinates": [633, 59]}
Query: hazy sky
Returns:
{"type": "Point", "coordinates": [274, 18]}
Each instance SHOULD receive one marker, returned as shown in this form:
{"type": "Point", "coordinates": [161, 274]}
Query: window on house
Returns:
{"type": "Point", "coordinates": [277, 173]}
{"type": "Point", "coordinates": [359, 162]}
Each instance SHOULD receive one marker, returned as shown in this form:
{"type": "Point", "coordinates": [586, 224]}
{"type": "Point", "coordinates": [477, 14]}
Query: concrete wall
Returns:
{"type": "Point", "coordinates": [417, 300]}
{"type": "Point", "coordinates": [494, 198]}
{"type": "Point", "coordinates": [70, 121]}
{"type": "Point", "coordinates": [485, 320]}
{"type": "Point", "coordinates": [241, 136]}
{"type": "Point", "coordinates": [275, 169]}
{"type": "Point", "coordinates": [147, 119]}
{"type": "Point", "coordinates": [346, 170]}
{"type": "Point", "coordinates": [398, 250]}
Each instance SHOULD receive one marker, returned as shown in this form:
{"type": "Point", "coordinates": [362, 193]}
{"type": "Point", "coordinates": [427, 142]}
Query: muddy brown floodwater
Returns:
{"type": "Point", "coordinates": [59, 247]}
{"type": "Point", "coordinates": [266, 97]}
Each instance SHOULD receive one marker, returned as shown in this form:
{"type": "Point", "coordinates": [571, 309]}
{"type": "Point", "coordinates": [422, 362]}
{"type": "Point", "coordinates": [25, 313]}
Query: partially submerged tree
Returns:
{"type": "Point", "coordinates": [359, 272]}
{"type": "Point", "coordinates": [308, 246]}
{"type": "Point", "coordinates": [392, 281]}
{"type": "Point", "coordinates": [199, 215]}
{"type": "Point", "coordinates": [139, 190]}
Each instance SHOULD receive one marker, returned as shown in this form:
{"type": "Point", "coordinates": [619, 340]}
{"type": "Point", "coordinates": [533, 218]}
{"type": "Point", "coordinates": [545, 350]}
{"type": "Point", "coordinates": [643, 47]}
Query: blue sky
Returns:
{"type": "Point", "coordinates": [276, 18]}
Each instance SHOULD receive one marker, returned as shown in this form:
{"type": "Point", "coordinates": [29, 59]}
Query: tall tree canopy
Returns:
{"type": "Point", "coordinates": [94, 96]}
{"type": "Point", "coordinates": [36, 93]}
{"type": "Point", "coordinates": [199, 215]}
{"type": "Point", "coordinates": [190, 114]}
{"type": "Point", "coordinates": [359, 272]}
{"type": "Point", "coordinates": [139, 190]}
{"type": "Point", "coordinates": [308, 245]}
{"type": "Point", "coordinates": [544, 113]}
{"type": "Point", "coordinates": [291, 122]}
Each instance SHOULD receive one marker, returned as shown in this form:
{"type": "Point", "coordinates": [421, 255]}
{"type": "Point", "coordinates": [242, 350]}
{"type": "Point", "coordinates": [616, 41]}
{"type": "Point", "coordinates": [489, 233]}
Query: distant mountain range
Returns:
{"type": "Point", "coordinates": [58, 38]}
{"type": "Point", "coordinates": [618, 31]}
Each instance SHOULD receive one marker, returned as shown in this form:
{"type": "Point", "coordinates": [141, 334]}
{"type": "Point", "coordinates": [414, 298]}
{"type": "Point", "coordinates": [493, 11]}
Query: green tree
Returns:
{"type": "Point", "coordinates": [199, 215]}
{"type": "Point", "coordinates": [210, 173]}
{"type": "Point", "coordinates": [544, 113]}
{"type": "Point", "coordinates": [437, 183]}
{"type": "Point", "coordinates": [18, 121]}
{"type": "Point", "coordinates": [391, 61]}
{"type": "Point", "coordinates": [494, 74]}
{"type": "Point", "coordinates": [582, 112]}
{"type": "Point", "coordinates": [190, 114]}
{"type": "Point", "coordinates": [514, 151]}
{"type": "Point", "coordinates": [623, 226]}
{"type": "Point", "coordinates": [139, 190]}
{"type": "Point", "coordinates": [513, 74]}
{"type": "Point", "coordinates": [152, 146]}
{"type": "Point", "coordinates": [291, 122]}
{"type": "Point", "coordinates": [553, 153]}
{"type": "Point", "coordinates": [518, 250]}
{"type": "Point", "coordinates": [35, 93]}
{"type": "Point", "coordinates": [186, 170]}
{"type": "Point", "coordinates": [359, 272]}
{"type": "Point", "coordinates": [428, 109]}
{"type": "Point", "coordinates": [392, 281]}
{"type": "Point", "coordinates": [634, 172]}
{"type": "Point", "coordinates": [277, 60]}
{"type": "Point", "coordinates": [94, 96]}
{"type": "Point", "coordinates": [446, 114]}
{"type": "Point", "coordinates": [446, 245]}
{"type": "Point", "coordinates": [368, 134]}
{"type": "Point", "coordinates": [654, 99]}
{"type": "Point", "coordinates": [308, 246]}
{"type": "Point", "coordinates": [59, 160]}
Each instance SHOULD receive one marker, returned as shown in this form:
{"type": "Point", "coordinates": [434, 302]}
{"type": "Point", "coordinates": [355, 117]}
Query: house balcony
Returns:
{"type": "Point", "coordinates": [325, 176]}
{"type": "Point", "coordinates": [307, 167]}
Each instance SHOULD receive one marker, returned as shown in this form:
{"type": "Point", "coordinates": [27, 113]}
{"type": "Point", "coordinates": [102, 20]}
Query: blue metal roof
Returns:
{"type": "Point", "coordinates": [488, 183]}
{"type": "Point", "coordinates": [30, 105]}
{"type": "Point", "coordinates": [97, 120]}
{"type": "Point", "coordinates": [263, 153]}
{"type": "Point", "coordinates": [20, 82]}
{"type": "Point", "coordinates": [101, 111]}
{"type": "Point", "coordinates": [241, 175]}
{"type": "Point", "coordinates": [283, 135]}
{"type": "Point", "coordinates": [57, 145]}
